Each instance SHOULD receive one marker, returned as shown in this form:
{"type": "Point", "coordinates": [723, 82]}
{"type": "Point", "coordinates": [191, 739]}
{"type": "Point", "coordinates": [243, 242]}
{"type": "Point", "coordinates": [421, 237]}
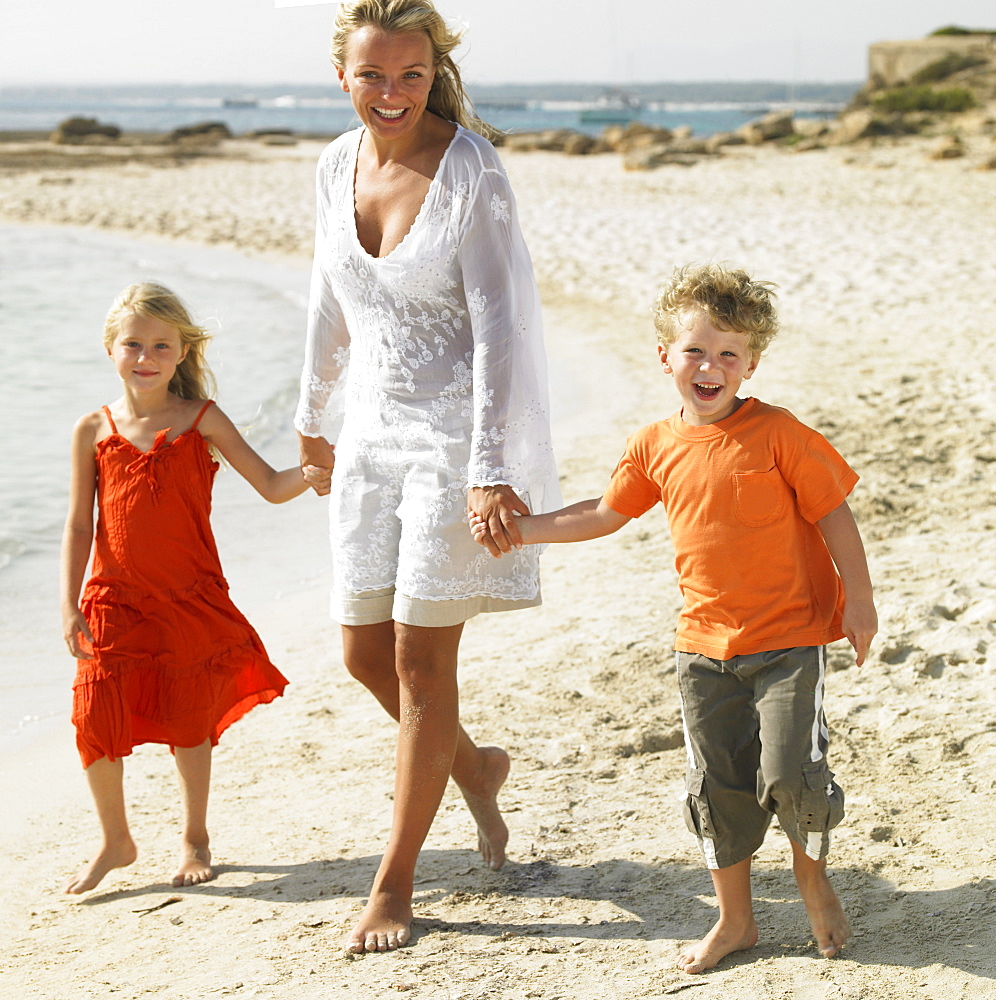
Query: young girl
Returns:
{"type": "Point", "coordinates": [164, 655]}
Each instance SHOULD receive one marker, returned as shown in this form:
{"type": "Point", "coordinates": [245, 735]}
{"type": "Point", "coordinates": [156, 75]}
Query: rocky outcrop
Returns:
{"type": "Point", "coordinates": [75, 131]}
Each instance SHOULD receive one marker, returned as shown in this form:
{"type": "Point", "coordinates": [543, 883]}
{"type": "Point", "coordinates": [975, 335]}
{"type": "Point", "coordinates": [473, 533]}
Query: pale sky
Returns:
{"type": "Point", "coordinates": [250, 41]}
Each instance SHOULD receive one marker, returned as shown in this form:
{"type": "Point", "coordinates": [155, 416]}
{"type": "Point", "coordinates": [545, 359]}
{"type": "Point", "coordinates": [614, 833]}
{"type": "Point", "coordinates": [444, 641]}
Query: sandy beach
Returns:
{"type": "Point", "coordinates": [884, 260]}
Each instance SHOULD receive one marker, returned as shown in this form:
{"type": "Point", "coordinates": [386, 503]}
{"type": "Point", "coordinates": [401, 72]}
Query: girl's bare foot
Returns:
{"type": "Point", "coordinates": [194, 867]}
{"type": "Point", "coordinates": [384, 925]}
{"type": "Point", "coordinates": [482, 801]}
{"type": "Point", "coordinates": [726, 937]}
{"type": "Point", "coordinates": [826, 913]}
{"type": "Point", "coordinates": [118, 854]}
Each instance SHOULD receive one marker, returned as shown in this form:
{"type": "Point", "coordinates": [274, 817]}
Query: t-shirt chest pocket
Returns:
{"type": "Point", "coordinates": [760, 497]}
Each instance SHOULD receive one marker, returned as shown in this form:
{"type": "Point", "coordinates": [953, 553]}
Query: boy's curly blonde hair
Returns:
{"type": "Point", "coordinates": [729, 296]}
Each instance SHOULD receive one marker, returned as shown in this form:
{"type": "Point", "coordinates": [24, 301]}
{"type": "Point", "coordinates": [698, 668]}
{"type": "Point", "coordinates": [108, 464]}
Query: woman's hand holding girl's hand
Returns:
{"type": "Point", "coordinates": [497, 508]}
{"type": "Point", "coordinates": [73, 623]}
{"type": "Point", "coordinates": [318, 478]}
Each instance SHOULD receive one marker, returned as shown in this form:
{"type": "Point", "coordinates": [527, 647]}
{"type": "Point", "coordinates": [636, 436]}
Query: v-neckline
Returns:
{"type": "Point", "coordinates": [422, 208]}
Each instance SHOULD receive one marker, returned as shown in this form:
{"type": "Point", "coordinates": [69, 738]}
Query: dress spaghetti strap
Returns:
{"type": "Point", "coordinates": [110, 419]}
{"type": "Point", "coordinates": [201, 414]}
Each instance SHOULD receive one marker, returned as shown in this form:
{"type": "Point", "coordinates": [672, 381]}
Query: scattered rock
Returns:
{"type": "Point", "coordinates": [948, 148]}
{"type": "Point", "coordinates": [774, 125]}
{"type": "Point", "coordinates": [203, 133]}
{"type": "Point", "coordinates": [83, 130]}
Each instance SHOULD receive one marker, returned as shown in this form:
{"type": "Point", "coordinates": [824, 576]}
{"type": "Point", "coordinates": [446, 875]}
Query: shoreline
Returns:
{"type": "Point", "coordinates": [882, 260]}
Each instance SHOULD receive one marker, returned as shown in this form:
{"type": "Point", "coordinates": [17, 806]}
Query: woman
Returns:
{"type": "Point", "coordinates": [424, 342]}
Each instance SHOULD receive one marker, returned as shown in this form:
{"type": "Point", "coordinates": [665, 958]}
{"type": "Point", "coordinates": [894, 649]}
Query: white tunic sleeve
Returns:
{"type": "Point", "coordinates": [511, 432]}
{"type": "Point", "coordinates": [326, 352]}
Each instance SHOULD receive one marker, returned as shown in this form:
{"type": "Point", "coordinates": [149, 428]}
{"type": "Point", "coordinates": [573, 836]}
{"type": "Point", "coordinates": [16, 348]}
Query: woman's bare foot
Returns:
{"type": "Point", "coordinates": [194, 867]}
{"type": "Point", "coordinates": [726, 937]}
{"type": "Point", "coordinates": [482, 801]}
{"type": "Point", "coordinates": [384, 925]}
{"type": "Point", "coordinates": [119, 854]}
{"type": "Point", "coordinates": [826, 913]}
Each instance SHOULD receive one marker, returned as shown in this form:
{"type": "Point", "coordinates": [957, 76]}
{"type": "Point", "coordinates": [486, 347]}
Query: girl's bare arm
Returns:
{"type": "Point", "coordinates": [77, 538]}
{"type": "Point", "coordinates": [272, 485]}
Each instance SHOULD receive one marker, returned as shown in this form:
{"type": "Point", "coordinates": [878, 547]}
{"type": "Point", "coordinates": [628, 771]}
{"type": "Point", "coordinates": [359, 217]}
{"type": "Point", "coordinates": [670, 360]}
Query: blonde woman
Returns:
{"type": "Point", "coordinates": [425, 364]}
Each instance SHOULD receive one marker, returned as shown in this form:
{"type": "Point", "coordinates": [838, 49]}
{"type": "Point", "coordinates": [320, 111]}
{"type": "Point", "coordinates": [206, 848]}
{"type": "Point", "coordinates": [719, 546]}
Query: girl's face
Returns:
{"type": "Point", "coordinates": [708, 365]}
{"type": "Point", "coordinates": [388, 76]}
{"type": "Point", "coordinates": [146, 352]}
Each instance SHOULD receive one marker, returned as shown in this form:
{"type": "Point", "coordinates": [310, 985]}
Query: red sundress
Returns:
{"type": "Point", "coordinates": [173, 660]}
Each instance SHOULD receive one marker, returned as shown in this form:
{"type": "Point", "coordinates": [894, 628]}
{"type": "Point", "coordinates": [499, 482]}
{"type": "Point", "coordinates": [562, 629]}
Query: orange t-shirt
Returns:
{"type": "Point", "coordinates": [742, 498]}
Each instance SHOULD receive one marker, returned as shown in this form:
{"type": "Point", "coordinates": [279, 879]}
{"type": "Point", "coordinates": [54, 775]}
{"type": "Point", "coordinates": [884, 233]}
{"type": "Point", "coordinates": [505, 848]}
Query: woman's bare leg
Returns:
{"type": "Point", "coordinates": [193, 764]}
{"type": "Point", "coordinates": [106, 780]}
{"type": "Point", "coordinates": [426, 663]}
{"type": "Point", "coordinates": [370, 654]}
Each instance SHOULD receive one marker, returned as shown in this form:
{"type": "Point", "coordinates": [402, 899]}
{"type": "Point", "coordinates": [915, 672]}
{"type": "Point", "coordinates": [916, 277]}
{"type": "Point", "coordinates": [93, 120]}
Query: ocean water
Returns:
{"type": "Point", "coordinates": [56, 285]}
{"type": "Point", "coordinates": [328, 112]}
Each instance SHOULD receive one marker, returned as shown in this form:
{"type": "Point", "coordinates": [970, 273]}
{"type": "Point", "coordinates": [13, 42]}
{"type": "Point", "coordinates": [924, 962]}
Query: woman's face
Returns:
{"type": "Point", "coordinates": [388, 76]}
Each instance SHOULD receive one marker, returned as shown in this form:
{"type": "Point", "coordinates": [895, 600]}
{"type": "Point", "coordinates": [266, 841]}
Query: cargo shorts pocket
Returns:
{"type": "Point", "coordinates": [822, 803]}
{"type": "Point", "coordinates": [696, 808]}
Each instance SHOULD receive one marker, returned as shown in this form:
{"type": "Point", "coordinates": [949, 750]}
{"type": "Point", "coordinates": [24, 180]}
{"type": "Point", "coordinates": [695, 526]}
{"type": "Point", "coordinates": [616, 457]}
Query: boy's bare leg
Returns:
{"type": "Point", "coordinates": [427, 741]}
{"type": "Point", "coordinates": [826, 914]}
{"type": "Point", "coordinates": [480, 772]}
{"type": "Point", "coordinates": [193, 764]}
{"type": "Point", "coordinates": [735, 930]}
{"type": "Point", "coordinates": [106, 780]}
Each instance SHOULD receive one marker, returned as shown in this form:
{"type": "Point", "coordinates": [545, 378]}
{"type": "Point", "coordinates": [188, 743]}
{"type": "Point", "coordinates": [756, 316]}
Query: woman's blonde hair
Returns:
{"type": "Point", "coordinates": [729, 296]}
{"type": "Point", "coordinates": [447, 98]}
{"type": "Point", "coordinates": [193, 378]}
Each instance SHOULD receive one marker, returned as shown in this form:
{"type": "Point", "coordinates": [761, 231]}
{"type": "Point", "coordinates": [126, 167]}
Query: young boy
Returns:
{"type": "Point", "coordinates": [771, 568]}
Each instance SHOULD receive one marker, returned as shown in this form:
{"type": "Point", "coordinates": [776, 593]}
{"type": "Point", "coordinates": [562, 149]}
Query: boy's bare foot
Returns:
{"type": "Point", "coordinates": [725, 938]}
{"type": "Point", "coordinates": [194, 867]}
{"type": "Point", "coordinates": [384, 924]}
{"type": "Point", "coordinates": [482, 801]}
{"type": "Point", "coordinates": [826, 913]}
{"type": "Point", "coordinates": [116, 855]}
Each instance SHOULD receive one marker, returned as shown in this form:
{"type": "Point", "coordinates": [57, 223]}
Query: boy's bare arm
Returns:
{"type": "Point", "coordinates": [860, 622]}
{"type": "Point", "coordinates": [577, 523]}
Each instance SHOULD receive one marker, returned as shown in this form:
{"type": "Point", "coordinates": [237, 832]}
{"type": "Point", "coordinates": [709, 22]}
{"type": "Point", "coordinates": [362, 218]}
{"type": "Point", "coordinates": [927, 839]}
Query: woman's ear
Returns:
{"type": "Point", "coordinates": [343, 82]}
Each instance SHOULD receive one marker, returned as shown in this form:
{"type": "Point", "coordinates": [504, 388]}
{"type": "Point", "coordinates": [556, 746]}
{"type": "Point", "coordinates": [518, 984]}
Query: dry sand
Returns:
{"type": "Point", "coordinates": [888, 298]}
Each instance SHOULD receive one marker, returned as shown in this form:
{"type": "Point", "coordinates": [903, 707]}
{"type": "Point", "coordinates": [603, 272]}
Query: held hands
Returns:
{"type": "Point", "coordinates": [492, 512]}
{"type": "Point", "coordinates": [73, 625]}
{"type": "Point", "coordinates": [318, 478]}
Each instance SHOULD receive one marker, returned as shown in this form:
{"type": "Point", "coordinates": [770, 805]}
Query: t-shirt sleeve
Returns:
{"type": "Point", "coordinates": [631, 491]}
{"type": "Point", "coordinates": [822, 480]}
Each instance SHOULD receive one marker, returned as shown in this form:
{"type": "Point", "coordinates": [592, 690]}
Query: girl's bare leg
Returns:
{"type": "Point", "coordinates": [735, 930]}
{"type": "Point", "coordinates": [826, 914]}
{"type": "Point", "coordinates": [193, 764]}
{"type": "Point", "coordinates": [106, 780]}
{"type": "Point", "coordinates": [369, 652]}
{"type": "Point", "coordinates": [428, 734]}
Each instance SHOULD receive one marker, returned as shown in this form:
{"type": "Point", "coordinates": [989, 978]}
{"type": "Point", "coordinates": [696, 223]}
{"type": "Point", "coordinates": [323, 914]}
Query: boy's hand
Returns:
{"type": "Point", "coordinates": [479, 529]}
{"type": "Point", "coordinates": [860, 623]}
{"type": "Point", "coordinates": [73, 624]}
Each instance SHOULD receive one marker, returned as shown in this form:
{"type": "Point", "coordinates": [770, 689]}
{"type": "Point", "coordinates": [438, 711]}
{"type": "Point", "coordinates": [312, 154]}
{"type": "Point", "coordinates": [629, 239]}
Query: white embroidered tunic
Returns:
{"type": "Point", "coordinates": [426, 369]}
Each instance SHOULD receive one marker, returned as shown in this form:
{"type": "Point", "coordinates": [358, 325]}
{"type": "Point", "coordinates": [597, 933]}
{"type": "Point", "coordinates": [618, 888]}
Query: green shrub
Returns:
{"type": "Point", "coordinates": [923, 98]}
{"type": "Point", "coordinates": [954, 29]}
{"type": "Point", "coordinates": [946, 66]}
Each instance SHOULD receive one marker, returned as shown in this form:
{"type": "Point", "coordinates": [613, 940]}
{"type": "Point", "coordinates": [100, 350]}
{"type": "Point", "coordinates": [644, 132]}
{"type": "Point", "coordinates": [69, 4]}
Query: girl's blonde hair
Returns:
{"type": "Point", "coordinates": [193, 378]}
{"type": "Point", "coordinates": [447, 98]}
{"type": "Point", "coordinates": [729, 296]}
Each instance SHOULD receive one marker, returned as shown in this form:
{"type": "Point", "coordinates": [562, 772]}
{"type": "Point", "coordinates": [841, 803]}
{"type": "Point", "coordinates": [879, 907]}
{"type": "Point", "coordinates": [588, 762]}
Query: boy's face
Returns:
{"type": "Point", "coordinates": [708, 365]}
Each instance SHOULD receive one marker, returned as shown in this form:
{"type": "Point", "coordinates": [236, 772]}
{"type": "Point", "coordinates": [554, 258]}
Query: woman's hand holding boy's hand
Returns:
{"type": "Point", "coordinates": [497, 509]}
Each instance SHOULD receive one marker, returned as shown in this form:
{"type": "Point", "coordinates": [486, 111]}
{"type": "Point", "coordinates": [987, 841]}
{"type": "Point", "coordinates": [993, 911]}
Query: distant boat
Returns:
{"type": "Point", "coordinates": [240, 102]}
{"type": "Point", "coordinates": [614, 107]}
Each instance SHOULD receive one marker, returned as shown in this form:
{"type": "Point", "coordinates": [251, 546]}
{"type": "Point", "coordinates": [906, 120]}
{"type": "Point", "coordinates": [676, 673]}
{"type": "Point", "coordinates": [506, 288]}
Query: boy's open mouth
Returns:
{"type": "Point", "coordinates": [707, 390]}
